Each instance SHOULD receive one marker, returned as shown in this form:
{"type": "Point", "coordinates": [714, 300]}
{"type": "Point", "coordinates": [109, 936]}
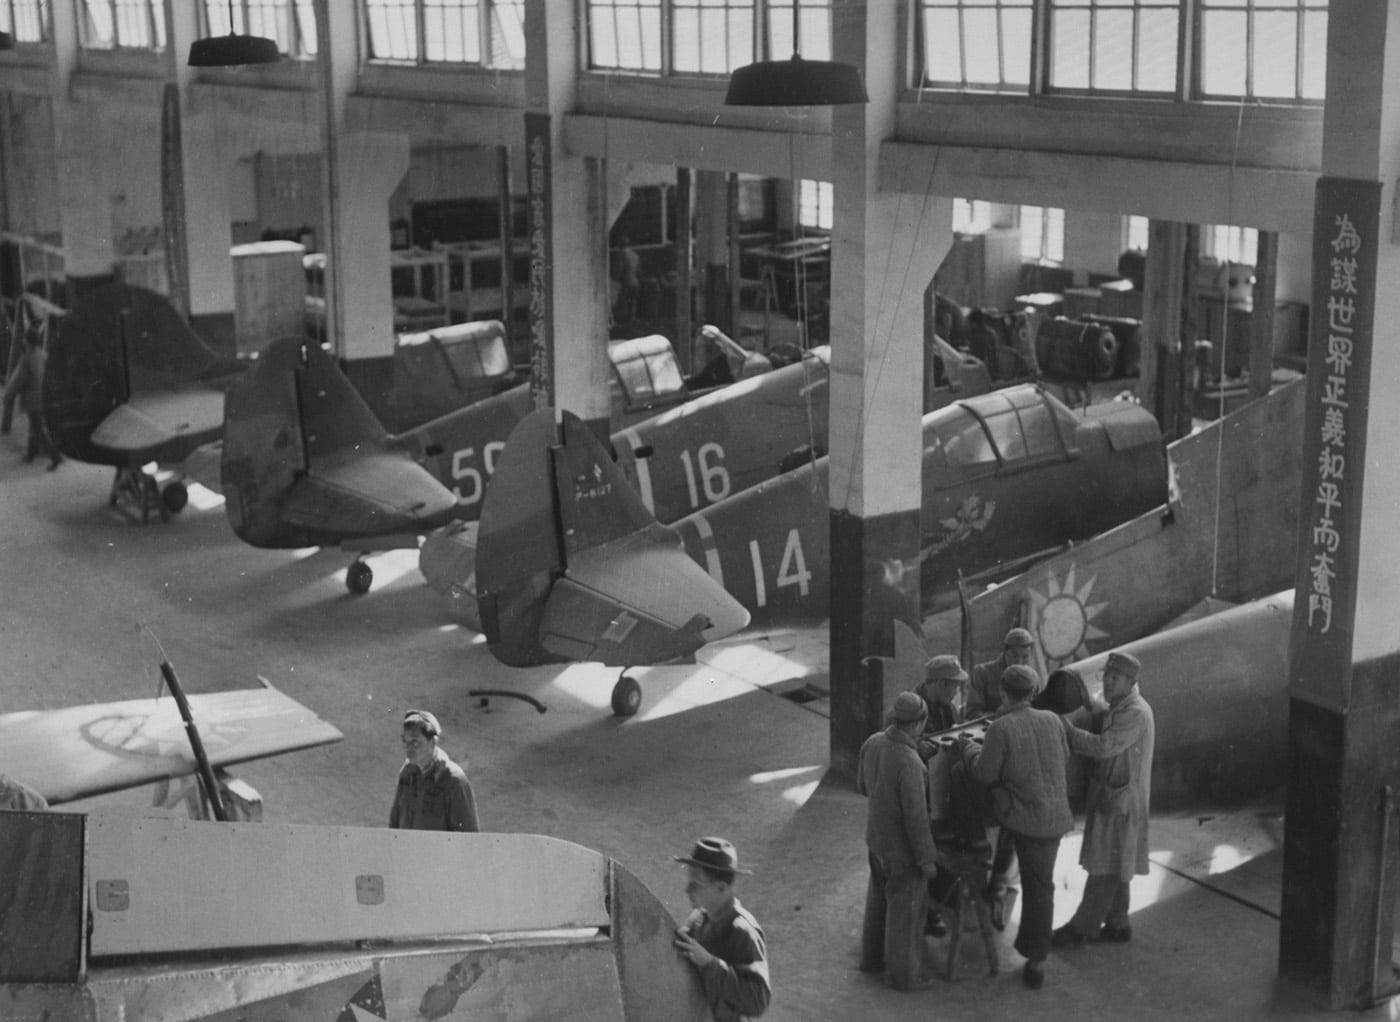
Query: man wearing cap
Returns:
{"type": "Point", "coordinates": [721, 938]}
{"type": "Point", "coordinates": [1116, 807]}
{"type": "Point", "coordinates": [941, 691]}
{"type": "Point", "coordinates": [1021, 767]}
{"type": "Point", "coordinates": [984, 690]}
{"type": "Point", "coordinates": [433, 791]}
{"type": "Point", "coordinates": [902, 854]}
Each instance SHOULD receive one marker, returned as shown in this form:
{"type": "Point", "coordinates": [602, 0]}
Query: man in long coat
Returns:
{"type": "Point", "coordinates": [1120, 792]}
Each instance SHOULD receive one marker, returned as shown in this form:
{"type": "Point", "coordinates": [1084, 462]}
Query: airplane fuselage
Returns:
{"type": "Point", "coordinates": [1040, 478]}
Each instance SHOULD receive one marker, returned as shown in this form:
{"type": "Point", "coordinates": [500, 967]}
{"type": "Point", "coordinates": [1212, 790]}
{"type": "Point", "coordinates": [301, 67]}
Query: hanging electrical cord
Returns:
{"type": "Point", "coordinates": [1224, 355]}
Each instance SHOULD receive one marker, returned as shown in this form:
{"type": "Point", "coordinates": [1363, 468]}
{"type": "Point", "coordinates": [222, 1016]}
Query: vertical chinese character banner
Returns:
{"type": "Point", "coordinates": [540, 219]}
{"type": "Point", "coordinates": [1345, 228]}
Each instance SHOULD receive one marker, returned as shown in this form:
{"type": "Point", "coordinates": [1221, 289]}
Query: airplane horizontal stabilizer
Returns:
{"type": "Point", "coordinates": [371, 493]}
{"type": "Point", "coordinates": [640, 600]}
{"type": "Point", "coordinates": [81, 751]}
{"type": "Point", "coordinates": [150, 419]}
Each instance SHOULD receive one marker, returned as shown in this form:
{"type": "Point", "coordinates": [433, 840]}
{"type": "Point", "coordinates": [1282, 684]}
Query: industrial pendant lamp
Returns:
{"type": "Point", "coordinates": [233, 50]}
{"type": "Point", "coordinates": [795, 82]}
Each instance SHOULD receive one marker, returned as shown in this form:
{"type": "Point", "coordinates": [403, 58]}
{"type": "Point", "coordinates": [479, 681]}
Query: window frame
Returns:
{"type": "Point", "coordinates": [155, 27]}
{"type": "Point", "coordinates": [761, 31]}
{"type": "Point", "coordinates": [1189, 78]}
{"type": "Point", "coordinates": [41, 13]}
{"type": "Point", "coordinates": [489, 59]}
{"type": "Point", "coordinates": [295, 10]}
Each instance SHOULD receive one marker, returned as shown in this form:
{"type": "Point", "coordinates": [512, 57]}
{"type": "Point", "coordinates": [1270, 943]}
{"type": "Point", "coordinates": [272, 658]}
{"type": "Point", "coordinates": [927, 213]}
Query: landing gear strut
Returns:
{"type": "Point", "coordinates": [626, 696]}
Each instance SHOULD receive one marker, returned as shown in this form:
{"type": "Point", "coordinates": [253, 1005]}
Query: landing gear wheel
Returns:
{"type": "Point", "coordinates": [175, 497]}
{"type": "Point", "coordinates": [359, 577]}
{"type": "Point", "coordinates": [626, 697]}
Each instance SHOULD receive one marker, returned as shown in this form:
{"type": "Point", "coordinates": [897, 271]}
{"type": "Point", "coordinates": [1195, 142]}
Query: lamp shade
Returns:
{"type": "Point", "coordinates": [233, 50]}
{"type": "Point", "coordinates": [795, 82]}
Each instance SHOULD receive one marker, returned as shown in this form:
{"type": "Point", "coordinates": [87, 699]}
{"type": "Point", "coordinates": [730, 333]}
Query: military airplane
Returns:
{"type": "Point", "coordinates": [129, 383]}
{"type": "Point", "coordinates": [82, 751]}
{"type": "Point", "coordinates": [1008, 475]}
{"type": "Point", "coordinates": [1217, 685]}
{"type": "Point", "coordinates": [296, 419]}
{"type": "Point", "coordinates": [700, 447]}
{"type": "Point", "coordinates": [1227, 533]}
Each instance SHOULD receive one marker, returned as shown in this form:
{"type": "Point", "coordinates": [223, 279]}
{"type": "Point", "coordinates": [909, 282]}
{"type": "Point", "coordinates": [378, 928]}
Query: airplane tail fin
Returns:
{"type": "Point", "coordinates": [571, 565]}
{"type": "Point", "coordinates": [305, 461]}
{"type": "Point", "coordinates": [118, 339]}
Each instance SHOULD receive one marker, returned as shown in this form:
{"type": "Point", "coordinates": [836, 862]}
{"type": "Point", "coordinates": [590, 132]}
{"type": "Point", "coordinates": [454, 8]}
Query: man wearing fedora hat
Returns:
{"type": "Point", "coordinates": [433, 792]}
{"type": "Point", "coordinates": [722, 939]}
{"type": "Point", "coordinates": [984, 689]}
{"type": "Point", "coordinates": [1116, 806]}
{"type": "Point", "coordinates": [902, 854]}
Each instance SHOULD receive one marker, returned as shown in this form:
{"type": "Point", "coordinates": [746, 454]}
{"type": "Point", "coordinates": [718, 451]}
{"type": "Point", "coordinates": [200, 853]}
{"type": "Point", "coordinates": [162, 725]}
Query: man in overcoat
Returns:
{"type": "Point", "coordinates": [1116, 807]}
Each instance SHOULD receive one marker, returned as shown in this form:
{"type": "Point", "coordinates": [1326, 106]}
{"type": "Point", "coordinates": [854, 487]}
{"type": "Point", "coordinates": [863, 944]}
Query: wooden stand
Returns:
{"type": "Point", "coordinates": [971, 871]}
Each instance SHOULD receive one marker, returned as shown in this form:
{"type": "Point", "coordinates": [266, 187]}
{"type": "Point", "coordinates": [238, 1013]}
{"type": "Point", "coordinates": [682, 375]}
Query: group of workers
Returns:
{"type": "Point", "coordinates": [1015, 780]}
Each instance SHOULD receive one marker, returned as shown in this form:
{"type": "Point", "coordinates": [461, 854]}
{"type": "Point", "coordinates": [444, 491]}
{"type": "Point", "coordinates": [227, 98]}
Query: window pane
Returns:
{"type": "Point", "coordinates": [393, 31]}
{"type": "Point", "coordinates": [1223, 53]}
{"type": "Point", "coordinates": [983, 47]}
{"type": "Point", "coordinates": [1275, 59]}
{"type": "Point", "coordinates": [979, 43]}
{"type": "Point", "coordinates": [1314, 55]}
{"type": "Point", "coordinates": [713, 36]}
{"type": "Point", "coordinates": [1127, 45]}
{"type": "Point", "coordinates": [1016, 47]}
{"type": "Point", "coordinates": [29, 21]}
{"type": "Point", "coordinates": [306, 26]}
{"type": "Point", "coordinates": [452, 31]}
{"type": "Point", "coordinates": [98, 31]}
{"type": "Point", "coordinates": [942, 46]}
{"type": "Point", "coordinates": [1113, 50]}
{"type": "Point", "coordinates": [625, 34]}
{"type": "Point", "coordinates": [813, 30]}
{"type": "Point", "coordinates": [1157, 33]}
{"type": "Point", "coordinates": [1069, 59]}
{"type": "Point", "coordinates": [508, 33]}
{"type": "Point", "coordinates": [1031, 228]}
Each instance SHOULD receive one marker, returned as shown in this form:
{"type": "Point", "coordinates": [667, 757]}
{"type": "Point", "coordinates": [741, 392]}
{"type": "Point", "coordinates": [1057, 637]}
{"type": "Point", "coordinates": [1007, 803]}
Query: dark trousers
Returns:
{"type": "Point", "coordinates": [1105, 901]}
{"type": "Point", "coordinates": [1037, 858]}
{"type": "Point", "coordinates": [892, 931]}
{"type": "Point", "coordinates": [39, 437]}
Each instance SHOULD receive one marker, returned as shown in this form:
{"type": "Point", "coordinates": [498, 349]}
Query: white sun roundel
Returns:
{"type": "Point", "coordinates": [1062, 618]}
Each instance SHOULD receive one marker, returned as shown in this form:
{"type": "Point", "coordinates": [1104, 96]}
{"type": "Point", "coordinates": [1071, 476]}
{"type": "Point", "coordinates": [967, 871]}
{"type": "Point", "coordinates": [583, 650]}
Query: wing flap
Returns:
{"type": "Point", "coordinates": [637, 601]}
{"type": "Point", "coordinates": [92, 750]}
{"type": "Point", "coordinates": [368, 494]}
{"type": "Point", "coordinates": [156, 417]}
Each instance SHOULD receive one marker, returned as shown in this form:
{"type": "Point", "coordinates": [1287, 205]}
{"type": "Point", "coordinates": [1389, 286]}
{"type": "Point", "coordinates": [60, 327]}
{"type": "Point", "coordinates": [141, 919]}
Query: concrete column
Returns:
{"type": "Point", "coordinates": [361, 171]}
{"type": "Point", "coordinates": [83, 186]}
{"type": "Point", "coordinates": [569, 276]}
{"type": "Point", "coordinates": [881, 262]}
{"type": "Point", "coordinates": [1164, 285]}
{"type": "Point", "coordinates": [1341, 839]}
{"type": "Point", "coordinates": [712, 247]}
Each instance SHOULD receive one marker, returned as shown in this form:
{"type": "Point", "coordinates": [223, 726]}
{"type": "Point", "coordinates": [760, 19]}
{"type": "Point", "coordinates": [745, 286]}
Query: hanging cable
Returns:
{"type": "Point", "coordinates": [1224, 356]}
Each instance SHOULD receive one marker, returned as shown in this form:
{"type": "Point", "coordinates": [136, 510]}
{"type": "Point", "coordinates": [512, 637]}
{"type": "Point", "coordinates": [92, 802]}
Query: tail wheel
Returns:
{"type": "Point", "coordinates": [626, 697]}
{"type": "Point", "coordinates": [174, 497]}
{"type": "Point", "coordinates": [359, 577]}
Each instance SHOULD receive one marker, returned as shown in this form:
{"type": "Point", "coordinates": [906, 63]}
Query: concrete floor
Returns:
{"type": "Point", "coordinates": [714, 750]}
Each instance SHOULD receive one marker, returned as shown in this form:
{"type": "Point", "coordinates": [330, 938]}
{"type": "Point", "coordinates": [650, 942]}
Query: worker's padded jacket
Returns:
{"type": "Point", "coordinates": [439, 798]}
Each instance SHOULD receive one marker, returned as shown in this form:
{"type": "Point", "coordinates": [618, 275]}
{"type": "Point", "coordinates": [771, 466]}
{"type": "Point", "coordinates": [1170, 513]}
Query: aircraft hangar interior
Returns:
{"type": "Point", "coordinates": [631, 402]}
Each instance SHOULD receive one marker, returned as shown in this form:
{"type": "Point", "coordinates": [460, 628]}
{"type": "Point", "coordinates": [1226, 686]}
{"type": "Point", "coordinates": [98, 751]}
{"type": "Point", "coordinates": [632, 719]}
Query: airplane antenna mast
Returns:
{"type": "Point", "coordinates": [206, 771]}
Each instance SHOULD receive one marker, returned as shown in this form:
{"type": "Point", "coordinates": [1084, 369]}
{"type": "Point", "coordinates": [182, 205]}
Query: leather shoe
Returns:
{"type": "Point", "coordinates": [1067, 936]}
{"type": "Point", "coordinates": [1115, 934]}
{"type": "Point", "coordinates": [1033, 975]}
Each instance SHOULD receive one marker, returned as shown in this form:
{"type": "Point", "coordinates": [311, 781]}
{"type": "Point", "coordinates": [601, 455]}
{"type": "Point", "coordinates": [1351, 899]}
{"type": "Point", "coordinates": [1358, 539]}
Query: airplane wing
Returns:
{"type": "Point", "coordinates": [153, 418]}
{"type": "Point", "coordinates": [369, 493]}
{"type": "Point", "coordinates": [81, 751]}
